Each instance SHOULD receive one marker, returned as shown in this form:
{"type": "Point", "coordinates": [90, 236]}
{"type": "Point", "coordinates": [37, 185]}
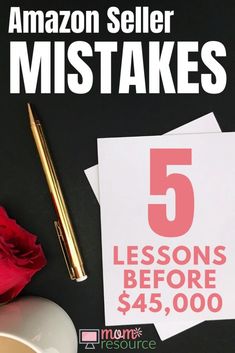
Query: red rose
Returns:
{"type": "Point", "coordinates": [20, 257]}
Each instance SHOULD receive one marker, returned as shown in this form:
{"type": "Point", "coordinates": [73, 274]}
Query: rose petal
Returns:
{"type": "Point", "coordinates": [20, 257]}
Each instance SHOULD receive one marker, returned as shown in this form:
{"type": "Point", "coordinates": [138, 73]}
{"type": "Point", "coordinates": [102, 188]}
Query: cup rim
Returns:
{"type": "Point", "coordinates": [30, 344]}
{"type": "Point", "coordinates": [21, 340]}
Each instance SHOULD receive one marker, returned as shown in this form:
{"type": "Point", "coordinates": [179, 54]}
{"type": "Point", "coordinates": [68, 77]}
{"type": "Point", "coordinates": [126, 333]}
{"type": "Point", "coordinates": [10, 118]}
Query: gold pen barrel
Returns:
{"type": "Point", "coordinates": [64, 226]}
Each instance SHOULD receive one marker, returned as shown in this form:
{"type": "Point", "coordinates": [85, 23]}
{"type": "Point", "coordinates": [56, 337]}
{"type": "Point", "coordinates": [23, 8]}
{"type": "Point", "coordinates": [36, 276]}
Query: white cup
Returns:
{"type": "Point", "coordinates": [40, 324]}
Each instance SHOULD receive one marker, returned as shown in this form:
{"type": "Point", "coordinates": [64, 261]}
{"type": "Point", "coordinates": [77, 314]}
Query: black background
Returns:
{"type": "Point", "coordinates": [73, 123]}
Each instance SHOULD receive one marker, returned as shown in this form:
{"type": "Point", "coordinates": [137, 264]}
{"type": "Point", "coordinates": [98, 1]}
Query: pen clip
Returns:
{"type": "Point", "coordinates": [64, 250]}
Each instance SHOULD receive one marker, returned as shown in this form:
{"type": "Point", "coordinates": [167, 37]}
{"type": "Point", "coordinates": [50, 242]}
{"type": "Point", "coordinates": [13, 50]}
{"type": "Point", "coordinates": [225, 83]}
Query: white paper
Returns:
{"type": "Point", "coordinates": [124, 194]}
{"type": "Point", "coordinates": [206, 123]}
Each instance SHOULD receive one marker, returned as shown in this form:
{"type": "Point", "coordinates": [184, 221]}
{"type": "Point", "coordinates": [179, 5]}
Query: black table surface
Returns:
{"type": "Point", "coordinates": [72, 124]}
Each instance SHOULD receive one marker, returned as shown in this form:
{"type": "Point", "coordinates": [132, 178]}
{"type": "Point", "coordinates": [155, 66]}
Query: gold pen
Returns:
{"type": "Point", "coordinates": [63, 225]}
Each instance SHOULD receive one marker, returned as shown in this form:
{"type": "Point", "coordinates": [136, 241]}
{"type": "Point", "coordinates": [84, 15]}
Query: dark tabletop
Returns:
{"type": "Point", "coordinates": [72, 124]}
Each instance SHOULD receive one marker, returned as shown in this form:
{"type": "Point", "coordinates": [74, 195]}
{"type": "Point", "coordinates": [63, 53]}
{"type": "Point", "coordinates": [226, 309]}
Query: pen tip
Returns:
{"type": "Point", "coordinates": [31, 118]}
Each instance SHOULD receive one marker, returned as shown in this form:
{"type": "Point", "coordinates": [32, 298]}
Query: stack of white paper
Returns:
{"type": "Point", "coordinates": [136, 287]}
